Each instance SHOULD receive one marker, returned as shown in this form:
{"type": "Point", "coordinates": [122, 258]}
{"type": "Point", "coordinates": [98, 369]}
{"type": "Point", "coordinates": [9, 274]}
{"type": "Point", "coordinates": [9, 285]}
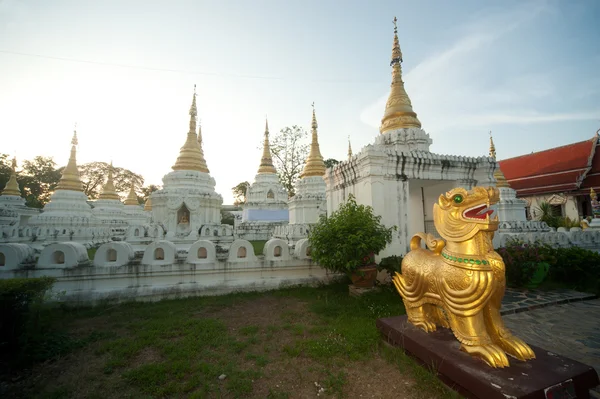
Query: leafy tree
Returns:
{"type": "Point", "coordinates": [330, 163]}
{"type": "Point", "coordinates": [5, 170]}
{"type": "Point", "coordinates": [289, 149]}
{"type": "Point", "coordinates": [227, 217]}
{"type": "Point", "coordinates": [239, 192]}
{"type": "Point", "coordinates": [38, 179]}
{"type": "Point", "coordinates": [94, 175]}
{"type": "Point", "coordinates": [348, 238]}
{"type": "Point", "coordinates": [146, 191]}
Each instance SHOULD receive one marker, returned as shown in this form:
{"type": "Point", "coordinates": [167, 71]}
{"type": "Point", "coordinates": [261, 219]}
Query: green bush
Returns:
{"type": "Point", "coordinates": [572, 267]}
{"type": "Point", "coordinates": [391, 264]}
{"type": "Point", "coordinates": [20, 303]}
{"type": "Point", "coordinates": [349, 238]}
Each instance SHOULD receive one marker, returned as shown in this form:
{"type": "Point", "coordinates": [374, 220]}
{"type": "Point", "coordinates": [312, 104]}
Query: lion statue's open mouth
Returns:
{"type": "Point", "coordinates": [459, 282]}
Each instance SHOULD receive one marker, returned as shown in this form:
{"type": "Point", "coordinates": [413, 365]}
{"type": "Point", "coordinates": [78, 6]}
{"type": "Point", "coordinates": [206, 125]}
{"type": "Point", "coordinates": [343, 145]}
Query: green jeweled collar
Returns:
{"type": "Point", "coordinates": [466, 260]}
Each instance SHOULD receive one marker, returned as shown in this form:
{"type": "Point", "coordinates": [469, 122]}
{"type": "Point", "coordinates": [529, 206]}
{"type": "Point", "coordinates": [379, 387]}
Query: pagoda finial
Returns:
{"type": "Point", "coordinates": [132, 198]}
{"type": "Point", "coordinates": [148, 204]}
{"type": "Point", "coordinates": [492, 147]}
{"type": "Point", "coordinates": [314, 166]}
{"type": "Point", "coordinates": [108, 191]}
{"type": "Point", "coordinates": [498, 175]}
{"type": "Point", "coordinates": [349, 149]}
{"type": "Point", "coordinates": [70, 179]}
{"type": "Point", "coordinates": [266, 161]}
{"type": "Point", "coordinates": [12, 187]}
{"type": "Point", "coordinates": [191, 156]}
{"type": "Point", "coordinates": [398, 109]}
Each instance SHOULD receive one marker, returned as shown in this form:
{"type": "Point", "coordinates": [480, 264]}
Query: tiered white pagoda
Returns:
{"type": "Point", "coordinates": [309, 203]}
{"type": "Point", "coordinates": [68, 216]}
{"type": "Point", "coordinates": [188, 205]}
{"type": "Point", "coordinates": [397, 175]}
{"type": "Point", "coordinates": [108, 208]}
{"type": "Point", "coordinates": [14, 214]}
{"type": "Point", "coordinates": [266, 201]}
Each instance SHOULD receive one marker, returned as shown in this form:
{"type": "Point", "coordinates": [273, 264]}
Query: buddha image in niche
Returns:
{"type": "Point", "coordinates": [184, 219]}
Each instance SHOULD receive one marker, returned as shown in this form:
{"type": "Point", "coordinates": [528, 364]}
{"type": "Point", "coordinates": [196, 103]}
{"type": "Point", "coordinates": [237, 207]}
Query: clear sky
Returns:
{"type": "Point", "coordinates": [526, 70]}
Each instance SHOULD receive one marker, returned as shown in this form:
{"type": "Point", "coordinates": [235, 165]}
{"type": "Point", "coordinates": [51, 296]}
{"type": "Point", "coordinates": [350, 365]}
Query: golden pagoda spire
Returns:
{"type": "Point", "coordinates": [70, 178]}
{"type": "Point", "coordinates": [492, 147]}
{"type": "Point", "coordinates": [266, 162]}
{"type": "Point", "coordinates": [349, 149]}
{"type": "Point", "coordinates": [398, 109]}
{"type": "Point", "coordinates": [12, 187]}
{"type": "Point", "coordinates": [498, 175]}
{"type": "Point", "coordinates": [148, 204]}
{"type": "Point", "coordinates": [191, 156]}
{"type": "Point", "coordinates": [108, 191]}
{"type": "Point", "coordinates": [314, 165]}
{"type": "Point", "coordinates": [132, 198]}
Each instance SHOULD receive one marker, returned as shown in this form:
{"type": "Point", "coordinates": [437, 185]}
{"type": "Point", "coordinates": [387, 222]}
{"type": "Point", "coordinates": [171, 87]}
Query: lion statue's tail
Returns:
{"type": "Point", "coordinates": [434, 244]}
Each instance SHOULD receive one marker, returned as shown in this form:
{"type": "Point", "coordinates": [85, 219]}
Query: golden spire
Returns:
{"type": "Point", "coordinates": [349, 149]}
{"type": "Point", "coordinates": [148, 204]}
{"type": "Point", "coordinates": [12, 187]}
{"type": "Point", "coordinates": [398, 109]}
{"type": "Point", "coordinates": [191, 156]}
{"type": "Point", "coordinates": [132, 198]}
{"type": "Point", "coordinates": [492, 147]}
{"type": "Point", "coordinates": [70, 178]}
{"type": "Point", "coordinates": [592, 194]}
{"type": "Point", "coordinates": [109, 192]}
{"type": "Point", "coordinates": [314, 165]}
{"type": "Point", "coordinates": [266, 162]}
{"type": "Point", "coordinates": [498, 175]}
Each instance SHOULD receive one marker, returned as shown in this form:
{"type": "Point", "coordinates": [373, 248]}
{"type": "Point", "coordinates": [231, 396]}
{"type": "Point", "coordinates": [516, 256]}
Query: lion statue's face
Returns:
{"type": "Point", "coordinates": [460, 214]}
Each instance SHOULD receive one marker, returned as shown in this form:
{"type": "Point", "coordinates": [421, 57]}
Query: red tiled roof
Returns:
{"type": "Point", "coordinates": [558, 169]}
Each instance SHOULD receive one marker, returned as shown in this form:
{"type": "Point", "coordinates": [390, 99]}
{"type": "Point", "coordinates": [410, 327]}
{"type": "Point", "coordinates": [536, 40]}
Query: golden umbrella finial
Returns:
{"type": "Point", "coordinates": [314, 166]}
{"type": "Point", "coordinates": [398, 109]}
{"type": "Point", "coordinates": [12, 187]}
{"type": "Point", "coordinates": [191, 156]}
{"type": "Point", "coordinates": [70, 179]}
{"type": "Point", "coordinates": [109, 191]}
{"type": "Point", "coordinates": [349, 149]}
{"type": "Point", "coordinates": [132, 198]}
{"type": "Point", "coordinates": [266, 161]}
{"type": "Point", "coordinates": [492, 146]}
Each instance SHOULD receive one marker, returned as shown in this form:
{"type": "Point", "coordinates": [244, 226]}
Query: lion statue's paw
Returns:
{"type": "Point", "coordinates": [517, 348]}
{"type": "Point", "coordinates": [423, 324]}
{"type": "Point", "coordinates": [492, 354]}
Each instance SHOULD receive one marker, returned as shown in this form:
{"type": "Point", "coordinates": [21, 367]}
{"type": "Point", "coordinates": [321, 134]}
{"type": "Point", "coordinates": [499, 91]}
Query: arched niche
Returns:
{"type": "Point", "coordinates": [270, 194]}
{"type": "Point", "coordinates": [183, 215]}
{"type": "Point", "coordinates": [166, 250]}
{"type": "Point", "coordinates": [64, 254]}
{"type": "Point", "coordinates": [15, 256]}
{"type": "Point", "coordinates": [121, 251]}
{"type": "Point", "coordinates": [302, 250]}
{"type": "Point", "coordinates": [202, 251]}
{"type": "Point", "coordinates": [235, 252]}
{"type": "Point", "coordinates": [276, 249]}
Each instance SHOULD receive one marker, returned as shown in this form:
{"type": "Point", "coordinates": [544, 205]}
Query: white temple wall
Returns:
{"type": "Point", "coordinates": [88, 285]}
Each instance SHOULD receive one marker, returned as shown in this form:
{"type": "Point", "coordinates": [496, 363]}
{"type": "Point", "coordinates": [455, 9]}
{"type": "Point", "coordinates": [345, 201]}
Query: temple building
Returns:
{"type": "Point", "coordinates": [561, 177]}
{"type": "Point", "coordinates": [188, 206]}
{"type": "Point", "coordinates": [309, 203]}
{"type": "Point", "coordinates": [266, 203]}
{"type": "Point", "coordinates": [398, 175]}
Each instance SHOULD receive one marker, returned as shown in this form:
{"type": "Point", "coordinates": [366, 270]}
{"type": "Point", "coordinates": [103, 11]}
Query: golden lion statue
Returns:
{"type": "Point", "coordinates": [459, 283]}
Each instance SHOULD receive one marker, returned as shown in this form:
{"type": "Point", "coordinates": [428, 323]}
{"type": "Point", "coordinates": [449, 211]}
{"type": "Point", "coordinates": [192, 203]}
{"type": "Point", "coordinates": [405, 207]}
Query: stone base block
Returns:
{"type": "Point", "coordinates": [549, 376]}
{"type": "Point", "coordinates": [357, 291]}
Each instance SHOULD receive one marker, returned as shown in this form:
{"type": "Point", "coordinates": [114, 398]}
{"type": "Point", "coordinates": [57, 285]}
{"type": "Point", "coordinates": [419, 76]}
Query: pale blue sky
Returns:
{"type": "Point", "coordinates": [526, 70]}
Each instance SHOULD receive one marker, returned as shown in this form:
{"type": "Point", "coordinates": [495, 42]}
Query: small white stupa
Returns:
{"type": "Point", "coordinates": [310, 202]}
{"type": "Point", "coordinates": [14, 214]}
{"type": "Point", "coordinates": [68, 216]}
{"type": "Point", "coordinates": [108, 208]}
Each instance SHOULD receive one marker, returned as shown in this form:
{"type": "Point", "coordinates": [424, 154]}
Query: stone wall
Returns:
{"type": "Point", "coordinates": [253, 231]}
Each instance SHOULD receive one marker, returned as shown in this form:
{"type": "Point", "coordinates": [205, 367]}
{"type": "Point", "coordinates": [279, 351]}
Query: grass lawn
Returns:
{"type": "Point", "coordinates": [91, 253]}
{"type": "Point", "coordinates": [258, 246]}
{"type": "Point", "coordinates": [290, 343]}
